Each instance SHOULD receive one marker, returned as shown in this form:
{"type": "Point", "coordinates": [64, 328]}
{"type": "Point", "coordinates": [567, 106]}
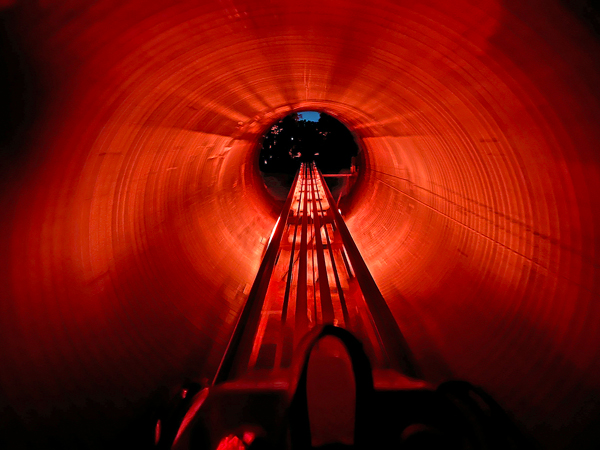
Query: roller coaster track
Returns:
{"type": "Point", "coordinates": [312, 274]}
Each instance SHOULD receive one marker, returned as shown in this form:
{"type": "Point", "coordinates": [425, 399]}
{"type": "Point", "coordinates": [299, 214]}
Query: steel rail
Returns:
{"type": "Point", "coordinates": [394, 344]}
{"type": "Point", "coordinates": [324, 288]}
{"type": "Point", "coordinates": [336, 275]}
{"type": "Point", "coordinates": [301, 316]}
{"type": "Point", "coordinates": [240, 345]}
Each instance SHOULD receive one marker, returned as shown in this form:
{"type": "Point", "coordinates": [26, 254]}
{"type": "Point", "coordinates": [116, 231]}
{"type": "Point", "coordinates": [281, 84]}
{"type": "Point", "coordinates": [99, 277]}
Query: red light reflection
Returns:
{"type": "Point", "coordinates": [134, 217]}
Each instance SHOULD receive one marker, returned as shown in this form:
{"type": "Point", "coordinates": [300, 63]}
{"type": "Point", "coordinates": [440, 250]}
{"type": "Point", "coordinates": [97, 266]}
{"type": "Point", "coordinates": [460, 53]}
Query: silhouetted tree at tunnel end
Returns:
{"type": "Point", "coordinates": [292, 141]}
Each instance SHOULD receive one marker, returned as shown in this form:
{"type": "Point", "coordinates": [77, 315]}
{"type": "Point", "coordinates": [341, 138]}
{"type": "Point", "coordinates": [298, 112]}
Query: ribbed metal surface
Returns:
{"type": "Point", "coordinates": [135, 220]}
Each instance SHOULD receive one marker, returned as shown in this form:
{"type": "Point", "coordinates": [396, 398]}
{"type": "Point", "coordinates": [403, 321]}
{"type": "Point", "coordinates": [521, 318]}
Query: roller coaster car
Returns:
{"type": "Point", "coordinates": [330, 398]}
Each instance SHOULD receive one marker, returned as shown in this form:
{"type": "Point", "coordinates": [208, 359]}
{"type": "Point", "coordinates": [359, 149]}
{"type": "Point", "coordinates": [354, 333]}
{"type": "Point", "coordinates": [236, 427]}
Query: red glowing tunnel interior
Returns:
{"type": "Point", "coordinates": [134, 217]}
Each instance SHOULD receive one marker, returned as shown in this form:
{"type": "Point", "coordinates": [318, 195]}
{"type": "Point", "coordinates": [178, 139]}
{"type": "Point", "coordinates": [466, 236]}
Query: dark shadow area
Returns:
{"type": "Point", "coordinates": [588, 11]}
{"type": "Point", "coordinates": [293, 140]}
{"type": "Point", "coordinates": [20, 92]}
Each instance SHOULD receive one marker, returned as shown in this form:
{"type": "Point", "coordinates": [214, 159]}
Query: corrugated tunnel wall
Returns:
{"type": "Point", "coordinates": [134, 218]}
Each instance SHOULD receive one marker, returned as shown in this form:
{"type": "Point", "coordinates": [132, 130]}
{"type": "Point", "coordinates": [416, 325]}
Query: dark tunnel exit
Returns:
{"type": "Point", "coordinates": [293, 140]}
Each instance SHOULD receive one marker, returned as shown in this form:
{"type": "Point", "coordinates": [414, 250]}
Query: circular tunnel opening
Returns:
{"type": "Point", "coordinates": [306, 136]}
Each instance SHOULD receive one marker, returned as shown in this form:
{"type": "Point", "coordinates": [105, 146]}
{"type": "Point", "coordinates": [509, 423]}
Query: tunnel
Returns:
{"type": "Point", "coordinates": [134, 217]}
